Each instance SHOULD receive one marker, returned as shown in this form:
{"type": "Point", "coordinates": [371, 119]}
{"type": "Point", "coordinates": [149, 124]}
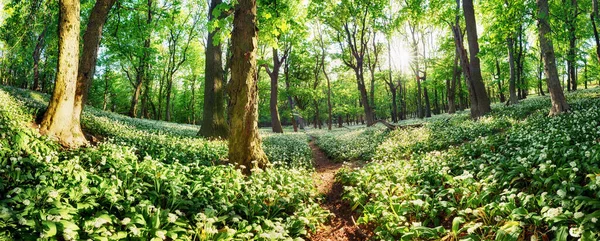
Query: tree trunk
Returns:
{"type": "Point", "coordinates": [141, 69]}
{"type": "Point", "coordinates": [245, 144]}
{"type": "Point", "coordinates": [451, 88]}
{"type": "Point", "coordinates": [559, 103]}
{"type": "Point", "coordinates": [572, 53]}
{"type": "Point", "coordinates": [427, 102]}
{"type": "Point", "coordinates": [289, 96]}
{"type": "Point", "coordinates": [214, 124]}
{"type": "Point", "coordinates": [480, 103]}
{"type": "Point", "coordinates": [87, 62]}
{"type": "Point", "coordinates": [499, 80]}
{"type": "Point", "coordinates": [106, 89]}
{"type": "Point", "coordinates": [39, 46]}
{"type": "Point", "coordinates": [58, 120]}
{"type": "Point", "coordinates": [274, 76]}
{"type": "Point", "coordinates": [595, 17]}
{"type": "Point", "coordinates": [513, 99]}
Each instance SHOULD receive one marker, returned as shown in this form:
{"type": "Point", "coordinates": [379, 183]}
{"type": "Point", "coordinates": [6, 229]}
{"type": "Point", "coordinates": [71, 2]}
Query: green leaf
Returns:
{"type": "Point", "coordinates": [49, 228]}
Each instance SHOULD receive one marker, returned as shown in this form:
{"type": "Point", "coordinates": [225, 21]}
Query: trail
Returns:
{"type": "Point", "coordinates": [340, 226]}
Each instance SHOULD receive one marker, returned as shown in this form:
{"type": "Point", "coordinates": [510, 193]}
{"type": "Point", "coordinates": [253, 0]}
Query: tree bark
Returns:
{"type": "Point", "coordinates": [427, 102]}
{"type": "Point", "coordinates": [141, 69]}
{"type": "Point", "coordinates": [87, 62]}
{"type": "Point", "coordinates": [274, 76]}
{"type": "Point", "coordinates": [214, 124]}
{"type": "Point", "coordinates": [39, 46]}
{"type": "Point", "coordinates": [513, 99]}
{"type": "Point", "coordinates": [499, 80]}
{"type": "Point", "coordinates": [290, 100]}
{"type": "Point", "coordinates": [559, 102]}
{"type": "Point", "coordinates": [572, 53]}
{"type": "Point", "coordinates": [58, 121]}
{"type": "Point", "coordinates": [480, 103]}
{"type": "Point", "coordinates": [595, 17]}
{"type": "Point", "coordinates": [245, 144]}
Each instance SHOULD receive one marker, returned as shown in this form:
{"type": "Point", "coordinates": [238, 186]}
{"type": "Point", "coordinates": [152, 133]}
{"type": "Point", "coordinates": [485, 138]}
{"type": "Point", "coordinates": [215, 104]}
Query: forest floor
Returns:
{"type": "Point", "coordinates": [341, 224]}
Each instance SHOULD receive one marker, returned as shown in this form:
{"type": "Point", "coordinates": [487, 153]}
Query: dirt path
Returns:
{"type": "Point", "coordinates": [340, 226]}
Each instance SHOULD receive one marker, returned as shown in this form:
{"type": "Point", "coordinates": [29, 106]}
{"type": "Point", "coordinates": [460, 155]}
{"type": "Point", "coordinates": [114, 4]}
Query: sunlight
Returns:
{"type": "Point", "coordinates": [401, 56]}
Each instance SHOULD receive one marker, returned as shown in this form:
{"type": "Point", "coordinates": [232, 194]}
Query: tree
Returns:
{"type": "Point", "coordinates": [595, 22]}
{"type": "Point", "coordinates": [214, 124]}
{"type": "Point", "coordinates": [58, 120]}
{"type": "Point", "coordinates": [559, 102]}
{"type": "Point", "coordinates": [87, 61]}
{"type": "Point", "coordinates": [245, 148]}
{"type": "Point", "coordinates": [480, 103]}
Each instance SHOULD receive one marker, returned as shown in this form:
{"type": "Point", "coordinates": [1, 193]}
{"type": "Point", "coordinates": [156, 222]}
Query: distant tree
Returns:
{"type": "Point", "coordinates": [245, 148]}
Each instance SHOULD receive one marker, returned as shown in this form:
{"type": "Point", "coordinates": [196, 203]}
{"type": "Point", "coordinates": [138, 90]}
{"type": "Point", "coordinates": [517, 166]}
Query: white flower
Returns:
{"type": "Point", "coordinates": [135, 231]}
{"type": "Point", "coordinates": [594, 220]}
{"type": "Point", "coordinates": [22, 221]}
{"type": "Point", "coordinates": [475, 227]}
{"type": "Point", "coordinates": [125, 221]}
{"type": "Point", "coordinates": [26, 202]}
{"type": "Point", "coordinates": [99, 222]}
{"type": "Point", "coordinates": [573, 164]}
{"type": "Point", "coordinates": [172, 218]}
{"type": "Point", "coordinates": [553, 212]}
{"type": "Point", "coordinates": [161, 234]}
{"type": "Point", "coordinates": [53, 194]}
{"type": "Point", "coordinates": [418, 202]}
{"type": "Point", "coordinates": [575, 232]}
{"type": "Point", "coordinates": [468, 210]}
{"type": "Point", "coordinates": [416, 224]}
{"type": "Point", "coordinates": [578, 215]}
{"type": "Point", "coordinates": [561, 193]}
{"type": "Point", "coordinates": [587, 154]}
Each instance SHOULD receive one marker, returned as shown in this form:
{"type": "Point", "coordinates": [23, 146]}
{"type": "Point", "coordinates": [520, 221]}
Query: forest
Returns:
{"type": "Point", "coordinates": [299, 120]}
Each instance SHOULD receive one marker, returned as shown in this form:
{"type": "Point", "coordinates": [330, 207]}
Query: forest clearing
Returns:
{"type": "Point", "coordinates": [299, 120]}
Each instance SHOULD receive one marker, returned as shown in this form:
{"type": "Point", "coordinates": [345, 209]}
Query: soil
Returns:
{"type": "Point", "coordinates": [341, 225]}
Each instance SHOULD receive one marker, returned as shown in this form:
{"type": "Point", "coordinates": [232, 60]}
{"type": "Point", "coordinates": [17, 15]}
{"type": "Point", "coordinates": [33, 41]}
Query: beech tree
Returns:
{"type": "Point", "coordinates": [559, 102]}
{"type": "Point", "coordinates": [214, 124]}
{"type": "Point", "coordinates": [59, 121]}
{"type": "Point", "coordinates": [245, 148]}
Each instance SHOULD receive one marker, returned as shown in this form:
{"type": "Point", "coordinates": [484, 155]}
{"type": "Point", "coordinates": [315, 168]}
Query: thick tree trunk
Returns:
{"type": "Point", "coordinates": [87, 62]}
{"type": "Point", "coordinates": [141, 69]}
{"type": "Point", "coordinates": [58, 120]}
{"type": "Point", "coordinates": [214, 124]}
{"type": "Point", "coordinates": [559, 102]}
{"type": "Point", "coordinates": [245, 144]}
{"type": "Point", "coordinates": [513, 99]}
{"type": "Point", "coordinates": [480, 103]}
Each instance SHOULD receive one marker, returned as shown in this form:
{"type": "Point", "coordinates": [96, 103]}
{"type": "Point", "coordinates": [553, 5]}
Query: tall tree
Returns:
{"type": "Point", "coordinates": [214, 124]}
{"type": "Point", "coordinates": [58, 120]}
{"type": "Point", "coordinates": [559, 102]}
{"type": "Point", "coordinates": [480, 102]}
{"type": "Point", "coordinates": [245, 149]}
{"type": "Point", "coordinates": [89, 56]}
{"type": "Point", "coordinates": [595, 16]}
